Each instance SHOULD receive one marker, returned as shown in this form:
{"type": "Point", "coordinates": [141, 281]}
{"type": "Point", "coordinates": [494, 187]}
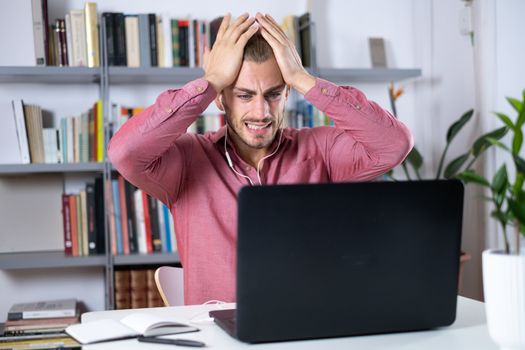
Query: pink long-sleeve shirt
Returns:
{"type": "Point", "coordinates": [190, 173]}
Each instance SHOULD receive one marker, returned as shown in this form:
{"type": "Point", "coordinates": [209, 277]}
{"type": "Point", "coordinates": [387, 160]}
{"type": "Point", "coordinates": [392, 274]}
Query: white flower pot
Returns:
{"type": "Point", "coordinates": [504, 288]}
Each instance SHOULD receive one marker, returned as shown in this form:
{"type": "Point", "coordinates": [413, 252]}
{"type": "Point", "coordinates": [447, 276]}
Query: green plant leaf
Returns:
{"type": "Point", "coordinates": [499, 216]}
{"type": "Point", "coordinates": [415, 158]}
{"type": "Point", "coordinates": [517, 104]}
{"type": "Point", "coordinates": [455, 165]}
{"type": "Point", "coordinates": [506, 120]}
{"type": "Point", "coordinates": [500, 180]}
{"type": "Point", "coordinates": [482, 143]}
{"type": "Point", "coordinates": [470, 176]}
{"type": "Point", "coordinates": [456, 127]}
{"type": "Point", "coordinates": [518, 209]}
{"type": "Point", "coordinates": [497, 143]}
{"type": "Point", "coordinates": [517, 141]}
{"type": "Point", "coordinates": [520, 164]}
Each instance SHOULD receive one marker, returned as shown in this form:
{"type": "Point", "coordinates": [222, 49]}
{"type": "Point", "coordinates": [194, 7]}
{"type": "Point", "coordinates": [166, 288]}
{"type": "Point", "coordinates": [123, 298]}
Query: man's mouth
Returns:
{"type": "Point", "coordinates": [258, 126]}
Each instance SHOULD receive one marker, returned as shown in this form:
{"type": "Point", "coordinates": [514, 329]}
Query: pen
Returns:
{"type": "Point", "coordinates": [179, 342]}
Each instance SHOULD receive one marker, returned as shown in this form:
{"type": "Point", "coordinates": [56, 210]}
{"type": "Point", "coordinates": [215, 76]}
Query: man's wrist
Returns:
{"type": "Point", "coordinates": [214, 83]}
{"type": "Point", "coordinates": [303, 82]}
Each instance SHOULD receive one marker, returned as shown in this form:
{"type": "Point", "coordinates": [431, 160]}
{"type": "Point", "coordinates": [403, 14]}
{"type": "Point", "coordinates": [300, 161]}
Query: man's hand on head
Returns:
{"type": "Point", "coordinates": [223, 62]}
{"type": "Point", "coordinates": [294, 74]}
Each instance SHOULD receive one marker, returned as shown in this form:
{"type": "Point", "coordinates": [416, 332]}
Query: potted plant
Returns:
{"type": "Point", "coordinates": [504, 270]}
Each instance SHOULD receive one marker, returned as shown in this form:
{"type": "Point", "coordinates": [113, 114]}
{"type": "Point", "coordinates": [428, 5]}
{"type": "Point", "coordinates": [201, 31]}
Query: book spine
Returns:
{"type": "Point", "coordinates": [85, 225]}
{"type": "Point", "coordinates": [73, 221]}
{"type": "Point", "coordinates": [100, 132]}
{"type": "Point", "coordinates": [152, 294]}
{"type": "Point", "coordinates": [78, 38]}
{"type": "Point", "coordinates": [91, 218]}
{"type": "Point", "coordinates": [183, 43]}
{"type": "Point", "coordinates": [123, 214]}
{"type": "Point", "coordinates": [153, 39]}
{"type": "Point", "coordinates": [138, 289]}
{"type": "Point", "coordinates": [110, 37]}
{"type": "Point", "coordinates": [63, 42]}
{"type": "Point", "coordinates": [167, 229]}
{"type": "Point", "coordinates": [39, 29]}
{"type": "Point", "coordinates": [162, 226]}
{"type": "Point", "coordinates": [100, 213]}
{"type": "Point", "coordinates": [122, 289]}
{"type": "Point", "coordinates": [69, 39]}
{"type": "Point", "coordinates": [147, 223]}
{"type": "Point", "coordinates": [145, 46]}
{"type": "Point", "coordinates": [92, 34]}
{"type": "Point", "coordinates": [132, 229]}
{"type": "Point", "coordinates": [66, 218]}
{"type": "Point", "coordinates": [161, 51]}
{"type": "Point", "coordinates": [117, 216]}
{"type": "Point", "coordinates": [139, 223]}
{"type": "Point", "coordinates": [132, 41]}
{"type": "Point", "coordinates": [120, 39]}
{"type": "Point", "coordinates": [154, 220]}
{"type": "Point", "coordinates": [18, 111]}
{"type": "Point", "coordinates": [175, 42]}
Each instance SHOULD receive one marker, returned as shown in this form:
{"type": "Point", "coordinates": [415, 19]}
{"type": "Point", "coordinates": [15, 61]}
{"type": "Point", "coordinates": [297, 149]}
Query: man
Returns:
{"type": "Point", "coordinates": [198, 176]}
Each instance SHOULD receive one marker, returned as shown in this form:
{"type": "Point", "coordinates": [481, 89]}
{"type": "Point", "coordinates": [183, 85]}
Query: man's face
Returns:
{"type": "Point", "coordinates": [254, 104]}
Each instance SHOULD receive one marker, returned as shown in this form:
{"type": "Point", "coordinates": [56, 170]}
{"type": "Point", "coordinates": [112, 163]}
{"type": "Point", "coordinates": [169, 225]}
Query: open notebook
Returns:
{"type": "Point", "coordinates": [134, 325]}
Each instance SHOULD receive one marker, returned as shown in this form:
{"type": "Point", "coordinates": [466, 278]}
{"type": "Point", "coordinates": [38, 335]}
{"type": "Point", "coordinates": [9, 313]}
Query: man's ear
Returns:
{"type": "Point", "coordinates": [218, 102]}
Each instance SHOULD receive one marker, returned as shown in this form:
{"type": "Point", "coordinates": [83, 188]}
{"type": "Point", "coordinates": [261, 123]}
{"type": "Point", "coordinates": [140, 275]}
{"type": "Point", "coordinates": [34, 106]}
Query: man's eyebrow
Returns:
{"type": "Point", "coordinates": [252, 92]}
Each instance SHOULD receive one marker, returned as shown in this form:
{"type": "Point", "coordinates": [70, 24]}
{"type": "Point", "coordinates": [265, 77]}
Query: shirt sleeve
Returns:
{"type": "Point", "coordinates": [367, 140]}
{"type": "Point", "coordinates": [151, 150]}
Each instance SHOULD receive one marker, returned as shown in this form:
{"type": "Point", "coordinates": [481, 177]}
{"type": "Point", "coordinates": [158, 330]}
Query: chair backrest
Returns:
{"type": "Point", "coordinates": [170, 283]}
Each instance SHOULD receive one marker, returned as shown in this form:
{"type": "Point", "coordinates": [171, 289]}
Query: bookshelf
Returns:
{"type": "Point", "coordinates": [107, 77]}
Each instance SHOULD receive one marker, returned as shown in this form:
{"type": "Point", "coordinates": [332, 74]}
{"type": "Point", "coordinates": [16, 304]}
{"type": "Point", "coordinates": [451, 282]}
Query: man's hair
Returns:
{"type": "Point", "coordinates": [257, 49]}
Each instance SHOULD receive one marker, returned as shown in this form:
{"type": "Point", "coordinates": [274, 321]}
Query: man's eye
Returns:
{"type": "Point", "coordinates": [274, 96]}
{"type": "Point", "coordinates": [244, 97]}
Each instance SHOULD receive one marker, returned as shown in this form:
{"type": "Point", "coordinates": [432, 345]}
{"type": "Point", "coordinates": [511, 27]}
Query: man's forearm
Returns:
{"type": "Point", "coordinates": [146, 137]}
{"type": "Point", "coordinates": [373, 140]}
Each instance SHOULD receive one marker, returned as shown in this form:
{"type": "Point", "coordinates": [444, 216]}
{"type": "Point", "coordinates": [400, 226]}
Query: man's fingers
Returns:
{"type": "Point", "coordinates": [243, 39]}
{"type": "Point", "coordinates": [240, 20]}
{"type": "Point", "coordinates": [242, 28]}
{"type": "Point", "coordinates": [224, 25]}
{"type": "Point", "coordinates": [272, 28]}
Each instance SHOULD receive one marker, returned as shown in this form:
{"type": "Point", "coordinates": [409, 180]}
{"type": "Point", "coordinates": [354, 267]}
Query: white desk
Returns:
{"type": "Point", "coordinates": [468, 332]}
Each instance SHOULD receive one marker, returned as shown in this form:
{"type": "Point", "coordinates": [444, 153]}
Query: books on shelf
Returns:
{"type": "Point", "coordinates": [32, 137]}
{"type": "Point", "coordinates": [83, 220]}
{"type": "Point", "coordinates": [130, 326]}
{"type": "Point", "coordinates": [136, 288]}
{"type": "Point", "coordinates": [136, 40]}
{"type": "Point", "coordinates": [43, 309]}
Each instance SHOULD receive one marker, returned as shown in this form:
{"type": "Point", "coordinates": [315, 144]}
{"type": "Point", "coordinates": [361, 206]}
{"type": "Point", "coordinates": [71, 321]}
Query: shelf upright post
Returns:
{"type": "Point", "coordinates": [313, 48]}
{"type": "Point", "coordinates": [104, 96]}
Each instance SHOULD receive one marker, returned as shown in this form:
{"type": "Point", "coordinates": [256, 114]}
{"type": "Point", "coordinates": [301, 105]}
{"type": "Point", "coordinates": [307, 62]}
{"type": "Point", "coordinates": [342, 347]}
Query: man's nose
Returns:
{"type": "Point", "coordinates": [261, 107]}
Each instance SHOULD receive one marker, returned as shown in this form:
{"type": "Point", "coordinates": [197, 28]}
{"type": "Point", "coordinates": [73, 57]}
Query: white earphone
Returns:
{"type": "Point", "coordinates": [230, 163]}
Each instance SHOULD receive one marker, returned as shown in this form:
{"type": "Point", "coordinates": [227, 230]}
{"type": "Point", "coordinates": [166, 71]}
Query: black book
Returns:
{"type": "Point", "coordinates": [184, 52]}
{"type": "Point", "coordinates": [155, 226]}
{"type": "Point", "coordinates": [110, 37]}
{"type": "Point", "coordinates": [153, 39]}
{"type": "Point", "coordinates": [92, 218]}
{"type": "Point", "coordinates": [99, 214]}
{"type": "Point", "coordinates": [130, 207]}
{"type": "Point", "coordinates": [119, 30]}
{"type": "Point", "coordinates": [304, 33]}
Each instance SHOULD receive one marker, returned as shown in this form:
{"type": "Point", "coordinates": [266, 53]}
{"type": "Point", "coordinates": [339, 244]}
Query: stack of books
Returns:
{"type": "Point", "coordinates": [40, 325]}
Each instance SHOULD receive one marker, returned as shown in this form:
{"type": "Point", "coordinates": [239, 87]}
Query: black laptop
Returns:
{"type": "Point", "coordinates": [330, 260]}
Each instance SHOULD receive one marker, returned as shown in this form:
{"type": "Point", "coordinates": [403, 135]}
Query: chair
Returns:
{"type": "Point", "coordinates": [170, 283]}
